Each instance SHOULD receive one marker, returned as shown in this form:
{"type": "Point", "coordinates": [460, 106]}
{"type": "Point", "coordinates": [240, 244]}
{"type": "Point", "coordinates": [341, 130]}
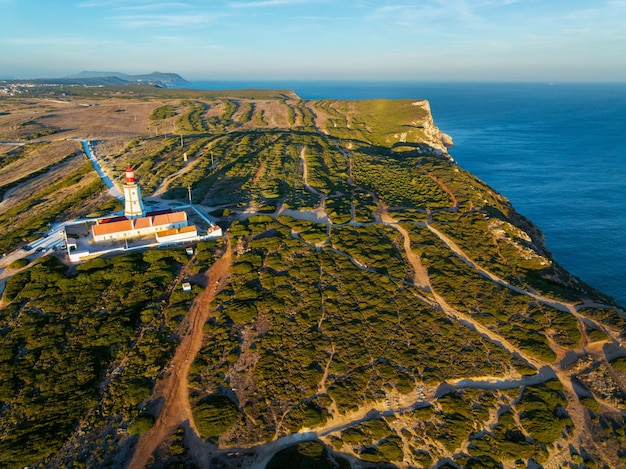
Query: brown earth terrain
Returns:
{"type": "Point", "coordinates": [174, 388]}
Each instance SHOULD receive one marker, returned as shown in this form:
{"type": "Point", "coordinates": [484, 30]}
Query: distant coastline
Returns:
{"type": "Point", "coordinates": [93, 78]}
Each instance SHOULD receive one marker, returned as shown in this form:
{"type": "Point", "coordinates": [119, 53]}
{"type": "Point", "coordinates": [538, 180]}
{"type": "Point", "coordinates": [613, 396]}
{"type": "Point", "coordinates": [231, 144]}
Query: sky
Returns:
{"type": "Point", "coordinates": [407, 40]}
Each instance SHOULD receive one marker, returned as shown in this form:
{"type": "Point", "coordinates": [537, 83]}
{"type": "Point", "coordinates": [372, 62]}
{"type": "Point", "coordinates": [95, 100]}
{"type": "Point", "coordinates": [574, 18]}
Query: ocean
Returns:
{"type": "Point", "coordinates": [557, 151]}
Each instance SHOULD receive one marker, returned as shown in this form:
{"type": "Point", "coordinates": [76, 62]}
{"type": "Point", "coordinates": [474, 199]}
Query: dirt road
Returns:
{"type": "Point", "coordinates": [420, 275]}
{"type": "Point", "coordinates": [173, 389]}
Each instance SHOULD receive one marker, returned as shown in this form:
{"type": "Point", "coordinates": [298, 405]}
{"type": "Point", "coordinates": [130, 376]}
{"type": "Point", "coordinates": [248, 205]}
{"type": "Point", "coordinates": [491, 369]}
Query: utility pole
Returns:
{"type": "Point", "coordinates": [189, 192]}
{"type": "Point", "coordinates": [181, 140]}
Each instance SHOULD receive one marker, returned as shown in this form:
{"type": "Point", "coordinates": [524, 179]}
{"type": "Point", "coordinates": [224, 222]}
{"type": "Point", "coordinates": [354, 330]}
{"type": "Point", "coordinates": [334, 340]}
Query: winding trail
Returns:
{"type": "Point", "coordinates": [556, 304]}
{"type": "Point", "coordinates": [575, 409]}
{"type": "Point", "coordinates": [165, 185]}
{"type": "Point", "coordinates": [420, 274]}
{"type": "Point", "coordinates": [422, 280]}
{"type": "Point", "coordinates": [173, 389]}
{"type": "Point", "coordinates": [455, 202]}
{"type": "Point", "coordinates": [547, 371]}
{"type": "Point", "coordinates": [305, 177]}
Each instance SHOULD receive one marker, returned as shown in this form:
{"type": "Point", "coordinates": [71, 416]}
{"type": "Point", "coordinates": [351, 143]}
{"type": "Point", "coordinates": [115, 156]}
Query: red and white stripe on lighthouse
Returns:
{"type": "Point", "coordinates": [130, 175]}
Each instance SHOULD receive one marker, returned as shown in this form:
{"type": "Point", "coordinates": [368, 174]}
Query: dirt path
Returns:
{"type": "Point", "coordinates": [485, 332]}
{"type": "Point", "coordinates": [455, 202]}
{"type": "Point", "coordinates": [305, 177]}
{"type": "Point", "coordinates": [259, 172]}
{"type": "Point", "coordinates": [567, 307]}
{"type": "Point", "coordinates": [422, 280]}
{"type": "Point", "coordinates": [173, 389]}
{"type": "Point", "coordinates": [575, 409]}
{"type": "Point", "coordinates": [556, 304]}
{"type": "Point", "coordinates": [420, 274]}
{"type": "Point", "coordinates": [165, 185]}
{"type": "Point", "coordinates": [7, 197]}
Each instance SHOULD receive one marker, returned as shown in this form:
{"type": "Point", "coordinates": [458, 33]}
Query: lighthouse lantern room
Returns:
{"type": "Point", "coordinates": [133, 204]}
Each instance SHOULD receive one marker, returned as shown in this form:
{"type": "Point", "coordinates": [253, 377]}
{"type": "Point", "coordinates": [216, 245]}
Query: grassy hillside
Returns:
{"type": "Point", "coordinates": [369, 295]}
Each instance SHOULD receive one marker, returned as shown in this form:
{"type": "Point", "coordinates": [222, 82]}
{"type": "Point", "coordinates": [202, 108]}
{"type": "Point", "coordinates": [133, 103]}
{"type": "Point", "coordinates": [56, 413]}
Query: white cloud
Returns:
{"type": "Point", "coordinates": [165, 20]}
{"type": "Point", "coordinates": [156, 6]}
{"type": "Point", "coordinates": [433, 13]}
{"type": "Point", "coordinates": [132, 4]}
{"type": "Point", "coordinates": [70, 41]}
{"type": "Point", "coordinates": [265, 3]}
{"type": "Point", "coordinates": [323, 18]}
{"type": "Point", "coordinates": [100, 3]}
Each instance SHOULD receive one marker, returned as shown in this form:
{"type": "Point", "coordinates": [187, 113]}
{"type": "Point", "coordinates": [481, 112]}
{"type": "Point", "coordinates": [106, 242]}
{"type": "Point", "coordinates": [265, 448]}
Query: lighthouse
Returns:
{"type": "Point", "coordinates": [133, 205]}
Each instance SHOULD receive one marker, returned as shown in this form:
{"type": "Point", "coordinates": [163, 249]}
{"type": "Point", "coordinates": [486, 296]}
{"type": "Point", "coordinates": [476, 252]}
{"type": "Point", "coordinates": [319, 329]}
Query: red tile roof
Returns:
{"type": "Point", "coordinates": [102, 221]}
{"type": "Point", "coordinates": [113, 227]}
{"type": "Point", "coordinates": [143, 222]}
{"type": "Point", "coordinates": [167, 218]}
{"type": "Point", "coordinates": [174, 231]}
{"type": "Point", "coordinates": [110, 227]}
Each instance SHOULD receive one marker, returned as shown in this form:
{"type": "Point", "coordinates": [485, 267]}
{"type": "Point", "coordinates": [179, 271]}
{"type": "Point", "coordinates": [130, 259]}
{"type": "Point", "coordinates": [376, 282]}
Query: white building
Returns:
{"type": "Point", "coordinates": [120, 228]}
{"type": "Point", "coordinates": [186, 233]}
{"type": "Point", "coordinates": [98, 236]}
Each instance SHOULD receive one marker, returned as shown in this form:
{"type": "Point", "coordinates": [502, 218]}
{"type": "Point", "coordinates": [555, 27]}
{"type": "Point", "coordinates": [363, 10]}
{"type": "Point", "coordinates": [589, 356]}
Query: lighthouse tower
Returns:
{"type": "Point", "coordinates": [133, 205]}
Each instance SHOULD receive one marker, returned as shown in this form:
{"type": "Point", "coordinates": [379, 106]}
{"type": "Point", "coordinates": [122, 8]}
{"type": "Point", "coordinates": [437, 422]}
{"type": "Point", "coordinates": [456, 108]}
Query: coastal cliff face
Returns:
{"type": "Point", "coordinates": [372, 303]}
{"type": "Point", "coordinates": [399, 125]}
{"type": "Point", "coordinates": [434, 136]}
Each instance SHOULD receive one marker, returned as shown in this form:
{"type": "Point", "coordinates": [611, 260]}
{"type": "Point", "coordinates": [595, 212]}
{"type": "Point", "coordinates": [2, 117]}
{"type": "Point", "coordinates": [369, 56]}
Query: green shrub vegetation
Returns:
{"type": "Point", "coordinates": [515, 316]}
{"type": "Point", "coordinates": [23, 221]}
{"type": "Point", "coordinates": [607, 316]}
{"type": "Point", "coordinates": [72, 328]}
{"type": "Point", "coordinates": [539, 411]}
{"type": "Point", "coordinates": [318, 319]}
{"type": "Point", "coordinates": [19, 263]}
{"type": "Point", "coordinates": [142, 424]}
{"type": "Point", "coordinates": [305, 454]}
{"type": "Point", "coordinates": [398, 182]}
{"type": "Point", "coordinates": [375, 247]}
{"type": "Point", "coordinates": [213, 415]}
{"type": "Point", "coordinates": [619, 364]}
{"type": "Point", "coordinates": [596, 335]}
{"type": "Point", "coordinates": [230, 106]}
{"type": "Point", "coordinates": [193, 119]}
{"type": "Point", "coordinates": [376, 441]}
{"type": "Point", "coordinates": [505, 442]}
{"type": "Point", "coordinates": [317, 301]}
{"type": "Point", "coordinates": [163, 112]}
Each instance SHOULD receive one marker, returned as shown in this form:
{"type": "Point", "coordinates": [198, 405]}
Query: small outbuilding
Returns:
{"type": "Point", "coordinates": [186, 286]}
{"type": "Point", "coordinates": [186, 233]}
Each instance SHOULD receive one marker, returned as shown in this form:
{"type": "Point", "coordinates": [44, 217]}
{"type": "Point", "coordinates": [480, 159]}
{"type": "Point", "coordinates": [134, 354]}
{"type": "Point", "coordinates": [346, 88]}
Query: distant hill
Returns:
{"type": "Point", "coordinates": [106, 81]}
{"type": "Point", "coordinates": [162, 80]}
{"type": "Point", "coordinates": [154, 78]}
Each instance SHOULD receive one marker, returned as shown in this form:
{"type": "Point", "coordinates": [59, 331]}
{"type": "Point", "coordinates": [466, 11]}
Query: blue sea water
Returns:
{"type": "Point", "coordinates": [556, 151]}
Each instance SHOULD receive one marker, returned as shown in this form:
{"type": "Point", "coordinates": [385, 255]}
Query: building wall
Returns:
{"type": "Point", "coordinates": [136, 233]}
{"type": "Point", "coordinates": [127, 229]}
{"type": "Point", "coordinates": [177, 236]}
{"type": "Point", "coordinates": [133, 203]}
